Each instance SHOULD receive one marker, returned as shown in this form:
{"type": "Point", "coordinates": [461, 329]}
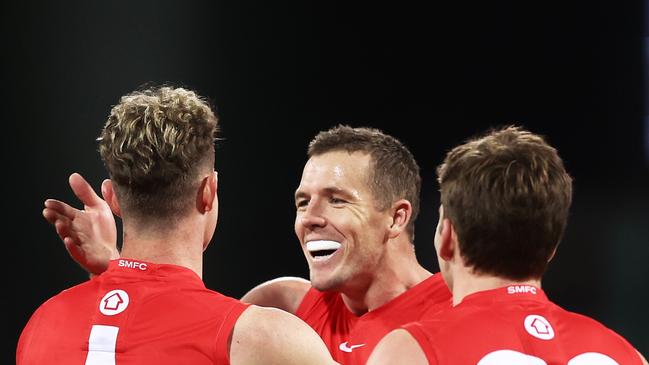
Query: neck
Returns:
{"type": "Point", "coordinates": [465, 283]}
{"type": "Point", "coordinates": [180, 245]}
{"type": "Point", "coordinates": [396, 272]}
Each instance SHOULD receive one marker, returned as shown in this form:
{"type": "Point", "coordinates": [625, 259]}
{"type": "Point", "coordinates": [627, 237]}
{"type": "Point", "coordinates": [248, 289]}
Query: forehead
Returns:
{"type": "Point", "coordinates": [338, 169]}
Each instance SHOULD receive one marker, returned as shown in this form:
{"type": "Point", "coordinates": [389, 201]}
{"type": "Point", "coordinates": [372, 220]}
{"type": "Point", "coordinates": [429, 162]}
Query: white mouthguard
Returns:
{"type": "Point", "coordinates": [322, 245]}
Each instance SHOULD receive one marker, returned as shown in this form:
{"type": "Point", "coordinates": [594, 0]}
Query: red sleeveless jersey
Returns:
{"type": "Point", "coordinates": [134, 313]}
{"type": "Point", "coordinates": [351, 338]}
{"type": "Point", "coordinates": [518, 325]}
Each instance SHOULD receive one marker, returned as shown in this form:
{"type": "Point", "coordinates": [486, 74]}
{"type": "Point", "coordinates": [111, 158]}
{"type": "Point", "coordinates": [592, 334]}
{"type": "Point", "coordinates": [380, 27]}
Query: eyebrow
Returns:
{"type": "Point", "coordinates": [330, 190]}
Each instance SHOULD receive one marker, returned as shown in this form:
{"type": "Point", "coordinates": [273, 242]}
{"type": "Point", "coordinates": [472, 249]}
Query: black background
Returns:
{"type": "Point", "coordinates": [278, 73]}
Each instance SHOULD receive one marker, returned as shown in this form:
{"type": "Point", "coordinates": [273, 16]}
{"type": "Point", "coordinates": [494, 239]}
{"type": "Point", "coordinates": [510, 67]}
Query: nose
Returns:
{"type": "Point", "coordinates": [312, 217]}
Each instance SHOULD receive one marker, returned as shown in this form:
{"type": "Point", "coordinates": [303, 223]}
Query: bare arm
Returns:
{"type": "Point", "coordinates": [89, 235]}
{"type": "Point", "coordinates": [398, 347]}
{"type": "Point", "coordinates": [285, 293]}
{"type": "Point", "coordinates": [270, 336]}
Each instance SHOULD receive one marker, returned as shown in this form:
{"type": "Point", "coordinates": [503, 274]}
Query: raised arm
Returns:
{"type": "Point", "coordinates": [270, 336]}
{"type": "Point", "coordinates": [285, 293]}
{"type": "Point", "coordinates": [397, 347]}
{"type": "Point", "coordinates": [89, 235]}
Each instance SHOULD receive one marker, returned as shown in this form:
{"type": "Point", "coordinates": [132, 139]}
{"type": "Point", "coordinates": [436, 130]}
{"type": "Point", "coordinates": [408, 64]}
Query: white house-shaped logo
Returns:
{"type": "Point", "coordinates": [539, 327]}
{"type": "Point", "coordinates": [114, 302]}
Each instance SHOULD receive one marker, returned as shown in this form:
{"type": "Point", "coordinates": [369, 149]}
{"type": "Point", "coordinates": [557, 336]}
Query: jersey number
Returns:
{"type": "Point", "coordinates": [518, 358]}
{"type": "Point", "coordinates": [101, 345]}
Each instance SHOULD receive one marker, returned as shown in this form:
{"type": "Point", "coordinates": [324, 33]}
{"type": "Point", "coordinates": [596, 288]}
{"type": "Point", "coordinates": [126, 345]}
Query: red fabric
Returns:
{"type": "Point", "coordinates": [171, 318]}
{"type": "Point", "coordinates": [490, 326]}
{"type": "Point", "coordinates": [327, 314]}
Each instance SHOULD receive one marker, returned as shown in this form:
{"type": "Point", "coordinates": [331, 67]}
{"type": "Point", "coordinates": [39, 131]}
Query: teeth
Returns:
{"type": "Point", "coordinates": [322, 245]}
{"type": "Point", "coordinates": [322, 258]}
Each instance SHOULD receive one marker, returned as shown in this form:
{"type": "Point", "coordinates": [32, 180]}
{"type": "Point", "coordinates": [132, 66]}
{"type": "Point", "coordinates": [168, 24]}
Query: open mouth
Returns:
{"type": "Point", "coordinates": [323, 249]}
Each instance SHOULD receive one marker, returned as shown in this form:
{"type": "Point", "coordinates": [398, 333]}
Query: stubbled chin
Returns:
{"type": "Point", "coordinates": [325, 274]}
{"type": "Point", "coordinates": [324, 281]}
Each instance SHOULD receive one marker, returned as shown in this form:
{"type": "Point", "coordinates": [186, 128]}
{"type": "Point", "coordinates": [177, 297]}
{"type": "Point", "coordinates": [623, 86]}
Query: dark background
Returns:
{"type": "Point", "coordinates": [278, 73]}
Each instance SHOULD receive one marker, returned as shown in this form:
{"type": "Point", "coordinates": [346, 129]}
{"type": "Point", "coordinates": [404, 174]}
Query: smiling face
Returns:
{"type": "Point", "coordinates": [341, 231]}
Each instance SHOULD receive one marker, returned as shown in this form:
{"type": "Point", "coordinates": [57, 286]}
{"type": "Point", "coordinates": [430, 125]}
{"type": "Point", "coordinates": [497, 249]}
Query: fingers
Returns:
{"type": "Point", "coordinates": [83, 190]}
{"type": "Point", "coordinates": [52, 216]}
{"type": "Point", "coordinates": [73, 249]}
{"type": "Point", "coordinates": [62, 225]}
{"type": "Point", "coordinates": [61, 216]}
{"type": "Point", "coordinates": [62, 229]}
{"type": "Point", "coordinates": [58, 207]}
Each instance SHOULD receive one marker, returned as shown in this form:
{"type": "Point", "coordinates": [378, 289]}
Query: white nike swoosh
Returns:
{"type": "Point", "coordinates": [344, 347]}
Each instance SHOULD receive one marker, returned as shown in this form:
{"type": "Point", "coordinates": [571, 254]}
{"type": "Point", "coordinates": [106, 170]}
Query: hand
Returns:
{"type": "Point", "coordinates": [89, 235]}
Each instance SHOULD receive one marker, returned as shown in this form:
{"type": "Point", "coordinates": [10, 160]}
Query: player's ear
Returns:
{"type": "Point", "coordinates": [447, 240]}
{"type": "Point", "coordinates": [207, 194]}
{"type": "Point", "coordinates": [108, 192]}
{"type": "Point", "coordinates": [554, 252]}
{"type": "Point", "coordinates": [401, 213]}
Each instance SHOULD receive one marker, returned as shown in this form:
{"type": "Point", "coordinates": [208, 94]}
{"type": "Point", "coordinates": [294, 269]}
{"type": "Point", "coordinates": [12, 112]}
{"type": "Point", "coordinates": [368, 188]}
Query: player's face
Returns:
{"type": "Point", "coordinates": [339, 227]}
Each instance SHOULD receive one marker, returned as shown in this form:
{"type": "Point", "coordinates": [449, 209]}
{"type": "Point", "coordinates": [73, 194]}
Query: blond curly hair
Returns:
{"type": "Point", "coordinates": [155, 144]}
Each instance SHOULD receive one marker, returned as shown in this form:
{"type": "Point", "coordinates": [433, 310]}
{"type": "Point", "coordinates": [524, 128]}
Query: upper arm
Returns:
{"type": "Point", "coordinates": [398, 347]}
{"type": "Point", "coordinates": [285, 293]}
{"type": "Point", "coordinates": [271, 336]}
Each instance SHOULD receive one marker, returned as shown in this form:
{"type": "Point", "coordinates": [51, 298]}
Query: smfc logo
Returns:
{"type": "Point", "coordinates": [514, 289]}
{"type": "Point", "coordinates": [132, 264]}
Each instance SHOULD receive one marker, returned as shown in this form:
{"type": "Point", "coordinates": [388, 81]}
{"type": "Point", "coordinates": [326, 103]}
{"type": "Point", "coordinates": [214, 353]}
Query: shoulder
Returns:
{"type": "Point", "coordinates": [397, 347]}
{"type": "Point", "coordinates": [437, 281]}
{"type": "Point", "coordinates": [45, 323]}
{"type": "Point", "coordinates": [434, 287]}
{"type": "Point", "coordinates": [61, 301]}
{"type": "Point", "coordinates": [437, 294]}
{"type": "Point", "coordinates": [598, 334]}
{"type": "Point", "coordinates": [313, 298]}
